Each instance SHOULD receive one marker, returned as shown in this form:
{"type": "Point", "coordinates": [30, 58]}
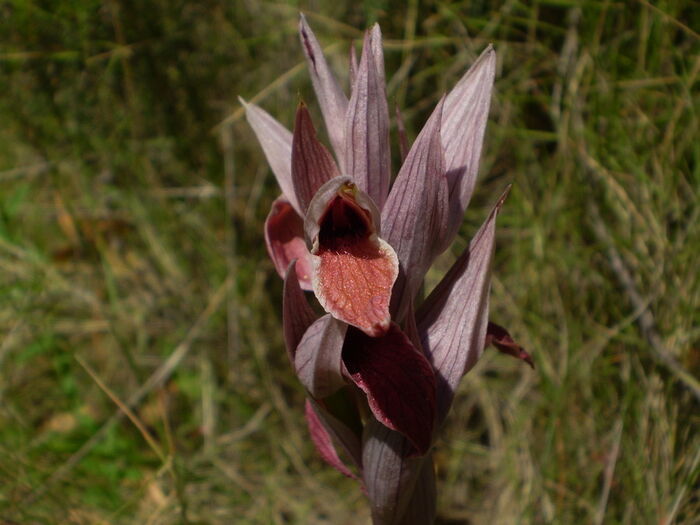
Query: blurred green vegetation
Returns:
{"type": "Point", "coordinates": [133, 272]}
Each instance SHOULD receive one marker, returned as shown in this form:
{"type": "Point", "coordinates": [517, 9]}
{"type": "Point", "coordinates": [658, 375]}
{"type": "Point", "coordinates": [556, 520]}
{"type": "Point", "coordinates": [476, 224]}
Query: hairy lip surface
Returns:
{"type": "Point", "coordinates": [354, 267]}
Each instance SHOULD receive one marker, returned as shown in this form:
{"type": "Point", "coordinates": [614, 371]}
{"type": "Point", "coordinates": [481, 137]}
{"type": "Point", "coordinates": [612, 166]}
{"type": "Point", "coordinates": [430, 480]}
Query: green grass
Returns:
{"type": "Point", "coordinates": [132, 267]}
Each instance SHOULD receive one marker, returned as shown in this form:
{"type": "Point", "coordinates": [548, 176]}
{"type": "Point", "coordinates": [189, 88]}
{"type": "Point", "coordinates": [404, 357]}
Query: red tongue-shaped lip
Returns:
{"type": "Point", "coordinates": [354, 270]}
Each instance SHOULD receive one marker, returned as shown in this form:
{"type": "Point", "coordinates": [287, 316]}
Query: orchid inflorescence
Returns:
{"type": "Point", "coordinates": [380, 373]}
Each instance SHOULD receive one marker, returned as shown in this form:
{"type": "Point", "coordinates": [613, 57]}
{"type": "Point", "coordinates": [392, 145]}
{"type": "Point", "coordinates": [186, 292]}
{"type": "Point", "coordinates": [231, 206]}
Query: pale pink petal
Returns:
{"type": "Point", "coordinates": [317, 360]}
{"type": "Point", "coordinates": [367, 148]}
{"type": "Point", "coordinates": [284, 237]}
{"type": "Point", "coordinates": [276, 143]}
{"type": "Point", "coordinates": [330, 96]}
{"type": "Point", "coordinates": [312, 164]}
{"type": "Point", "coordinates": [452, 320]}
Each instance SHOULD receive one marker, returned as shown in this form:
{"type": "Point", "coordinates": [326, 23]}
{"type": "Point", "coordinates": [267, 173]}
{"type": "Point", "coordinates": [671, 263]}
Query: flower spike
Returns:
{"type": "Point", "coordinates": [380, 372]}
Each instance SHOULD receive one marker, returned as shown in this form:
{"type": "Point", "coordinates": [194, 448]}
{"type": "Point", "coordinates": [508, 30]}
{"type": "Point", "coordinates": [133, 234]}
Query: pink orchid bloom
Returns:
{"type": "Point", "coordinates": [363, 246]}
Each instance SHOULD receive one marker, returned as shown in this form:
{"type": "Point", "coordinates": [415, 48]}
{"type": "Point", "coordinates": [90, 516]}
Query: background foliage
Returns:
{"type": "Point", "coordinates": [133, 274]}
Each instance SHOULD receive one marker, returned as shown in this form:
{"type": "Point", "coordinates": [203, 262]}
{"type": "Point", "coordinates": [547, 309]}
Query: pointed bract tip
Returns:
{"type": "Point", "coordinates": [502, 198]}
{"type": "Point", "coordinates": [243, 102]}
{"type": "Point", "coordinates": [487, 55]}
{"type": "Point", "coordinates": [304, 28]}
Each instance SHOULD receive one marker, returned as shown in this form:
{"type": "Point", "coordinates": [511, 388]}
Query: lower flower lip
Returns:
{"type": "Point", "coordinates": [353, 269]}
{"type": "Point", "coordinates": [354, 283]}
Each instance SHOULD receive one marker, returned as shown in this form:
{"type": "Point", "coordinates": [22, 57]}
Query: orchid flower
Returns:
{"type": "Point", "coordinates": [380, 371]}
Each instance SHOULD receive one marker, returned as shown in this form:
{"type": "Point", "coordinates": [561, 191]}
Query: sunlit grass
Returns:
{"type": "Point", "coordinates": [116, 269]}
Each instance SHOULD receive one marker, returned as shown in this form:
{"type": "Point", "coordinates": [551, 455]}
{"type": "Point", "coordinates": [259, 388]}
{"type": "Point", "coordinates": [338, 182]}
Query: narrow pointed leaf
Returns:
{"type": "Point", "coordinates": [297, 315]}
{"type": "Point", "coordinates": [353, 270]}
{"type": "Point", "coordinates": [321, 434]}
{"type": "Point", "coordinates": [452, 320]}
{"type": "Point", "coordinates": [463, 126]}
{"type": "Point", "coordinates": [398, 380]}
{"type": "Point", "coordinates": [499, 337]}
{"type": "Point", "coordinates": [390, 472]}
{"type": "Point", "coordinates": [330, 96]}
{"type": "Point", "coordinates": [415, 215]}
{"type": "Point", "coordinates": [312, 164]}
{"type": "Point", "coordinates": [276, 143]}
{"type": "Point", "coordinates": [284, 238]}
{"type": "Point", "coordinates": [318, 357]}
{"type": "Point", "coordinates": [368, 153]}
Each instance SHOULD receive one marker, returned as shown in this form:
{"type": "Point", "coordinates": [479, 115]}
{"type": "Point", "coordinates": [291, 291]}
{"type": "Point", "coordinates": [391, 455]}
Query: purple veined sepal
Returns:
{"type": "Point", "coordinates": [452, 320]}
{"type": "Point", "coordinates": [353, 268]}
{"type": "Point", "coordinates": [330, 96]}
{"type": "Point", "coordinates": [367, 148]}
{"type": "Point", "coordinates": [312, 163]}
{"type": "Point", "coordinates": [415, 215]}
{"type": "Point", "coordinates": [276, 143]}
{"type": "Point", "coordinates": [463, 126]}
{"type": "Point", "coordinates": [317, 359]}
